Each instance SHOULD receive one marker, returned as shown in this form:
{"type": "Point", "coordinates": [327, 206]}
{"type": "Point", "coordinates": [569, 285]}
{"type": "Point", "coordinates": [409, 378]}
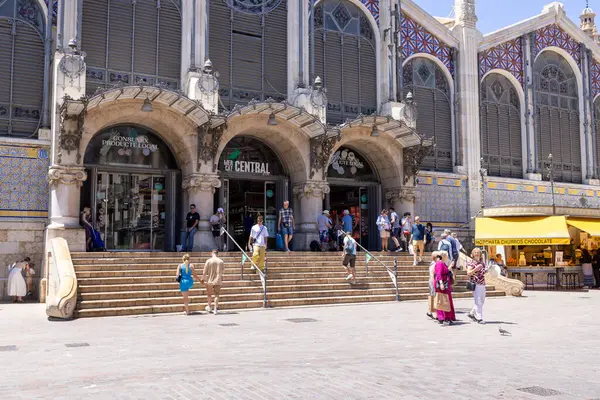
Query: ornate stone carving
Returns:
{"type": "Point", "coordinates": [72, 66]}
{"type": "Point", "coordinates": [208, 143]}
{"type": "Point", "coordinates": [202, 182]}
{"type": "Point", "coordinates": [311, 189]}
{"type": "Point", "coordinates": [66, 175]}
{"type": "Point", "coordinates": [413, 158]}
{"type": "Point", "coordinates": [320, 152]}
{"type": "Point", "coordinates": [512, 287]}
{"type": "Point", "coordinates": [71, 127]}
{"type": "Point", "coordinates": [405, 194]}
{"type": "Point", "coordinates": [466, 13]}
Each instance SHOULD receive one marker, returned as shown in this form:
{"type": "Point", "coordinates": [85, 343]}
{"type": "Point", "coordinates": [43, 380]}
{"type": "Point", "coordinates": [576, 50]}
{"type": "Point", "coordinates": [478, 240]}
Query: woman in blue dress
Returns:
{"type": "Point", "coordinates": [186, 275]}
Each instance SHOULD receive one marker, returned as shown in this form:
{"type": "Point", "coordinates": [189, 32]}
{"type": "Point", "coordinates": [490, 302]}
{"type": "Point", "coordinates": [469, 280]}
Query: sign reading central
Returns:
{"type": "Point", "coordinates": [252, 167]}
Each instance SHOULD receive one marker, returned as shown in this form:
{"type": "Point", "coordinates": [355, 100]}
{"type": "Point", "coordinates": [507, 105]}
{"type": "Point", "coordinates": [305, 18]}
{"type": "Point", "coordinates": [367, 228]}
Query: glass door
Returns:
{"type": "Point", "coordinates": [271, 212]}
{"type": "Point", "coordinates": [131, 211]}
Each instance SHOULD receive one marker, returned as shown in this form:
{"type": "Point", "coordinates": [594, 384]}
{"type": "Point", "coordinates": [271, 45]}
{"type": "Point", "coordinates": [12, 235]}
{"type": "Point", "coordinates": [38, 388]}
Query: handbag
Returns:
{"type": "Point", "coordinates": [178, 279]}
{"type": "Point", "coordinates": [441, 302]}
{"type": "Point", "coordinates": [471, 285]}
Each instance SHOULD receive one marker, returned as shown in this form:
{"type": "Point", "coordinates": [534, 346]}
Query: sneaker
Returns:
{"type": "Point", "coordinates": [398, 250]}
{"type": "Point", "coordinates": [287, 250]}
{"type": "Point", "coordinates": [353, 282]}
{"type": "Point", "coordinates": [215, 312]}
{"type": "Point", "coordinates": [207, 308]}
{"type": "Point", "coordinates": [349, 277]}
{"type": "Point", "coordinates": [414, 264]}
{"type": "Point", "coordinates": [420, 259]}
{"type": "Point", "coordinates": [472, 317]}
{"type": "Point", "coordinates": [480, 321]}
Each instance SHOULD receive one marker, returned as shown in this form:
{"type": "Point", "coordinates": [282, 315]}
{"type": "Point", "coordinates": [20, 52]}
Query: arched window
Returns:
{"type": "Point", "coordinates": [500, 121]}
{"type": "Point", "coordinates": [431, 92]}
{"type": "Point", "coordinates": [131, 42]}
{"type": "Point", "coordinates": [248, 48]}
{"type": "Point", "coordinates": [21, 67]}
{"type": "Point", "coordinates": [344, 57]}
{"type": "Point", "coordinates": [557, 117]}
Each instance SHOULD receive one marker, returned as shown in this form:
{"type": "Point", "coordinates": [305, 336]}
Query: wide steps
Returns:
{"type": "Point", "coordinates": [141, 283]}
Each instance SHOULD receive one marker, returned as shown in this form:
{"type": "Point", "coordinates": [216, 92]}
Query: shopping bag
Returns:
{"type": "Point", "coordinates": [279, 242]}
{"type": "Point", "coordinates": [411, 250]}
{"type": "Point", "coordinates": [442, 302]}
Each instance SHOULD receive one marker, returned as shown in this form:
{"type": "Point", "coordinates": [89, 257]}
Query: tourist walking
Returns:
{"type": "Point", "coordinates": [212, 277]}
{"type": "Point", "coordinates": [443, 291]}
{"type": "Point", "coordinates": [258, 243]}
{"type": "Point", "coordinates": [323, 226]}
{"type": "Point", "coordinates": [185, 276]}
{"type": "Point", "coordinates": [596, 268]}
{"type": "Point", "coordinates": [418, 240]}
{"type": "Point", "coordinates": [192, 220]}
{"type": "Point", "coordinates": [17, 287]}
{"type": "Point", "coordinates": [349, 257]}
{"type": "Point", "coordinates": [217, 221]}
{"type": "Point", "coordinates": [430, 307]}
{"type": "Point", "coordinates": [454, 255]}
{"type": "Point", "coordinates": [445, 245]}
{"type": "Point", "coordinates": [406, 228]}
{"type": "Point", "coordinates": [429, 238]}
{"type": "Point", "coordinates": [459, 248]}
{"type": "Point", "coordinates": [395, 222]}
{"type": "Point", "coordinates": [286, 224]}
{"type": "Point", "coordinates": [383, 223]}
{"type": "Point", "coordinates": [476, 273]}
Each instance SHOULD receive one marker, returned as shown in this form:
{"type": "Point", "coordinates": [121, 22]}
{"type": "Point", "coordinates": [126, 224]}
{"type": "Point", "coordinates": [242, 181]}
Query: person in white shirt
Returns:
{"type": "Point", "coordinates": [258, 241]}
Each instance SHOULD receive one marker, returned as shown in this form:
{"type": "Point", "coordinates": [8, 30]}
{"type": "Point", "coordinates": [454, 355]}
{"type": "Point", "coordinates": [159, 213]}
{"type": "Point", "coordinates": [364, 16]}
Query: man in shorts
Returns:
{"type": "Point", "coordinates": [349, 254]}
{"type": "Point", "coordinates": [323, 227]}
{"type": "Point", "coordinates": [395, 221]}
{"type": "Point", "coordinates": [286, 224]}
{"type": "Point", "coordinates": [418, 239]}
{"type": "Point", "coordinates": [212, 277]}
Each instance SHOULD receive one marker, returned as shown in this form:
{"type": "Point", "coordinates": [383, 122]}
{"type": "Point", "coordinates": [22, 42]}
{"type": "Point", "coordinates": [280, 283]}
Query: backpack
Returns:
{"type": "Point", "coordinates": [350, 246]}
{"type": "Point", "coordinates": [444, 246]}
{"type": "Point", "coordinates": [314, 246]}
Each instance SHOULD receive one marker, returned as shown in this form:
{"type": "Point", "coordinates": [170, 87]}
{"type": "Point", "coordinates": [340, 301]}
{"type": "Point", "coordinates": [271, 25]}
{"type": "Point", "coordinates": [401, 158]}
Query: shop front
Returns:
{"type": "Point", "coordinates": [354, 187]}
{"type": "Point", "coordinates": [132, 189]}
{"type": "Point", "coordinates": [542, 250]}
{"type": "Point", "coordinates": [254, 182]}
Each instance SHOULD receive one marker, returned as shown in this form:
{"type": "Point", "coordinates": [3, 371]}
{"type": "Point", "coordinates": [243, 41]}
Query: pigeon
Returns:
{"type": "Point", "coordinates": [504, 332]}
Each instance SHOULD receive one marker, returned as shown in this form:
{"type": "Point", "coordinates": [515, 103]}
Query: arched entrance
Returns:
{"type": "Point", "coordinates": [254, 182]}
{"type": "Point", "coordinates": [354, 186]}
{"type": "Point", "coordinates": [132, 189]}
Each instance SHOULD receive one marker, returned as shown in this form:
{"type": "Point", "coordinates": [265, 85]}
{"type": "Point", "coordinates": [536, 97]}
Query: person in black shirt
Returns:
{"type": "Point", "coordinates": [192, 219]}
{"type": "Point", "coordinates": [596, 268]}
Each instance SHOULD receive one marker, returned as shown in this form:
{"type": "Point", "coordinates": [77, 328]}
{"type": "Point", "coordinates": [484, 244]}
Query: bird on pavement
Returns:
{"type": "Point", "coordinates": [504, 332]}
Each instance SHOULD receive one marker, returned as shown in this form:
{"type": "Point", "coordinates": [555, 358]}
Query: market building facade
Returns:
{"type": "Point", "coordinates": [114, 105]}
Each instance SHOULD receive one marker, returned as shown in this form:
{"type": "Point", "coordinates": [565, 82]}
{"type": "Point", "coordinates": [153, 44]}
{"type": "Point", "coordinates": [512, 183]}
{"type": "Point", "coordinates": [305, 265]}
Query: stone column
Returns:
{"type": "Point", "coordinates": [200, 190]}
{"type": "Point", "coordinates": [468, 96]}
{"type": "Point", "coordinates": [310, 195]}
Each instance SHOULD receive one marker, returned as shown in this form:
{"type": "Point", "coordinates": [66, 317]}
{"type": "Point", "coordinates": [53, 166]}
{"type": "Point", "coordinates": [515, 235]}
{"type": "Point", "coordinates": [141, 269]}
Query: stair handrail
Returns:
{"type": "Point", "coordinates": [261, 274]}
{"type": "Point", "coordinates": [393, 273]}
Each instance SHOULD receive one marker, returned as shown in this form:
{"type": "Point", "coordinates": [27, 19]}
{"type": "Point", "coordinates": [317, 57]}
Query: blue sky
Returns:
{"type": "Point", "coordinates": [494, 14]}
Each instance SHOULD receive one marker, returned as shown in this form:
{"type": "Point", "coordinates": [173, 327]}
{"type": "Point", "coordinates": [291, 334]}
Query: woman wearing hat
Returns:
{"type": "Point", "coordinates": [323, 225]}
{"type": "Point", "coordinates": [216, 222]}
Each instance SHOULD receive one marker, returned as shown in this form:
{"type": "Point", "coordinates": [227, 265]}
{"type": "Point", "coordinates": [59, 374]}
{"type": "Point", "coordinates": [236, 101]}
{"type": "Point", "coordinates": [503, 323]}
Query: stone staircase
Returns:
{"type": "Point", "coordinates": [118, 283]}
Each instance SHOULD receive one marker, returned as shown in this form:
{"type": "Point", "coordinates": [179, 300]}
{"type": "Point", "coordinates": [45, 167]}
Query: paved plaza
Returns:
{"type": "Point", "coordinates": [372, 351]}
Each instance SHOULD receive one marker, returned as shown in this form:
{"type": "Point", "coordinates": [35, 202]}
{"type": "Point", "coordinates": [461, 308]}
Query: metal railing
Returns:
{"type": "Point", "coordinates": [261, 274]}
{"type": "Point", "coordinates": [393, 273]}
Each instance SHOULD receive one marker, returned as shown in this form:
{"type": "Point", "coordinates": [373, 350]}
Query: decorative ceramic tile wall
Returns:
{"type": "Point", "coordinates": [23, 182]}
{"type": "Point", "coordinates": [507, 56]}
{"type": "Point", "coordinates": [532, 193]}
{"type": "Point", "coordinates": [442, 200]}
{"type": "Point", "coordinates": [595, 77]}
{"type": "Point", "coordinates": [416, 39]}
{"type": "Point", "coordinates": [553, 35]}
{"type": "Point", "coordinates": [373, 7]}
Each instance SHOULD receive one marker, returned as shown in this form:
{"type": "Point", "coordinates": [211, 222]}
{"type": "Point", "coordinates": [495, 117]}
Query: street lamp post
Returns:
{"type": "Point", "coordinates": [551, 178]}
{"type": "Point", "coordinates": [483, 174]}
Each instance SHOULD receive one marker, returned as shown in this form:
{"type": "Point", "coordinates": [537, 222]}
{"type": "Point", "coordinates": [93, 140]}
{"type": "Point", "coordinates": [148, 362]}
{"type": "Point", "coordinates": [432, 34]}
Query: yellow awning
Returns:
{"type": "Point", "coordinates": [521, 231]}
{"type": "Point", "coordinates": [591, 226]}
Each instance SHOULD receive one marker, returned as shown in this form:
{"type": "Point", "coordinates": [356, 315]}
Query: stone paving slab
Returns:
{"type": "Point", "coordinates": [372, 351]}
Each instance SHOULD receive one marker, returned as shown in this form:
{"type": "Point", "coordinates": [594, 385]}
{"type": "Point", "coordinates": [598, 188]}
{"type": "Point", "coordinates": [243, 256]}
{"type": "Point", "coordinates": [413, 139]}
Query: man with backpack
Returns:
{"type": "Point", "coordinates": [444, 245]}
{"type": "Point", "coordinates": [349, 254]}
{"type": "Point", "coordinates": [453, 248]}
